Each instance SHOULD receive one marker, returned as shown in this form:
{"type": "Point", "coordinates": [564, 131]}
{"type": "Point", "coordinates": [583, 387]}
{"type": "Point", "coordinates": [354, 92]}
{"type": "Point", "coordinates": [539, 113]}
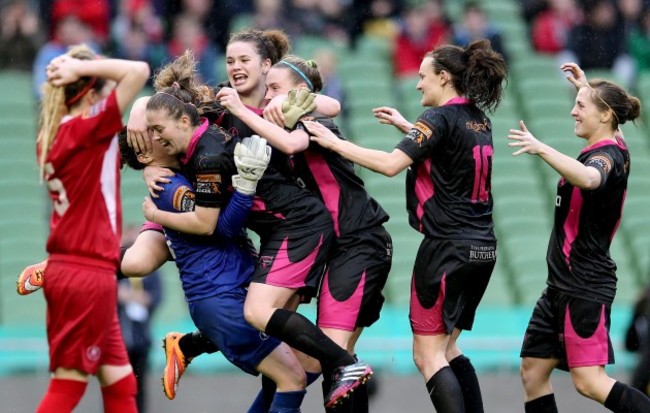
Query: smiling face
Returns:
{"type": "Point", "coordinates": [172, 134]}
{"type": "Point", "coordinates": [589, 118]}
{"type": "Point", "coordinates": [278, 82]}
{"type": "Point", "coordinates": [430, 84]}
{"type": "Point", "coordinates": [245, 67]}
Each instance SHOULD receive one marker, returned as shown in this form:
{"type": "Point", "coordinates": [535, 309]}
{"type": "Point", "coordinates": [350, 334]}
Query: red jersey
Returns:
{"type": "Point", "coordinates": [83, 179]}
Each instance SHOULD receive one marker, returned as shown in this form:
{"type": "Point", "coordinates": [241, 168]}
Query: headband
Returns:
{"type": "Point", "coordinates": [300, 73]}
{"type": "Point", "coordinates": [82, 92]}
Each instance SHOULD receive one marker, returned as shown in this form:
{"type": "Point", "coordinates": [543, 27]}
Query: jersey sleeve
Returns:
{"type": "Point", "coordinates": [423, 136]}
{"type": "Point", "coordinates": [604, 164]}
{"type": "Point", "coordinates": [101, 121]}
{"type": "Point", "coordinates": [177, 196]}
{"type": "Point", "coordinates": [233, 217]}
{"type": "Point", "coordinates": [213, 173]}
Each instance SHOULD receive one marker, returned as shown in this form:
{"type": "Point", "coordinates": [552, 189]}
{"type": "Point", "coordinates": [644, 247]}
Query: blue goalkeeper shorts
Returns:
{"type": "Point", "coordinates": [221, 319]}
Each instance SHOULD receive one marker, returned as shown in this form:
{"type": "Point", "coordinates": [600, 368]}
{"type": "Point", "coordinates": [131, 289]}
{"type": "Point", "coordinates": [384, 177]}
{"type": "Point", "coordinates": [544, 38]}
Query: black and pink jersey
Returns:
{"type": "Point", "coordinates": [585, 223]}
{"type": "Point", "coordinates": [448, 185]}
{"type": "Point", "coordinates": [332, 177]}
{"type": "Point", "coordinates": [279, 204]}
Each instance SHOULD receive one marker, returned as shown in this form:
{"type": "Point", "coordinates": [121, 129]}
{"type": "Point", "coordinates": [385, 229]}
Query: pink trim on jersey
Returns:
{"type": "Point", "coordinates": [590, 351]}
{"type": "Point", "coordinates": [458, 100]}
{"type": "Point", "coordinates": [341, 315]}
{"type": "Point", "coordinates": [428, 322]}
{"type": "Point", "coordinates": [329, 187]}
{"type": "Point", "coordinates": [604, 142]}
{"type": "Point", "coordinates": [108, 182]}
{"type": "Point", "coordinates": [260, 206]}
{"type": "Point", "coordinates": [151, 226]}
{"type": "Point", "coordinates": [257, 111]}
{"type": "Point", "coordinates": [288, 274]}
{"type": "Point", "coordinates": [424, 188]}
{"type": "Point", "coordinates": [196, 135]}
{"type": "Point", "coordinates": [572, 224]}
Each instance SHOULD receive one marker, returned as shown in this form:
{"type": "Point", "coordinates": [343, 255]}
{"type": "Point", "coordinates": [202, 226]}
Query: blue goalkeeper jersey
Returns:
{"type": "Point", "coordinates": [208, 265]}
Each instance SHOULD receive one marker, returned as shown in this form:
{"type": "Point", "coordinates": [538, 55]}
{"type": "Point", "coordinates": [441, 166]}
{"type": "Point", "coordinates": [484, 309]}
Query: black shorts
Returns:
{"type": "Point", "coordinates": [357, 270]}
{"type": "Point", "coordinates": [570, 329]}
{"type": "Point", "coordinates": [449, 280]}
{"type": "Point", "coordinates": [295, 262]}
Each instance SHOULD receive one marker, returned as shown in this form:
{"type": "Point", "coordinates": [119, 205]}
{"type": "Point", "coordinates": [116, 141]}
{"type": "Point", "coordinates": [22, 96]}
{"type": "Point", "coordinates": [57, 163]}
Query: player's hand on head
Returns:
{"type": "Point", "coordinates": [320, 134]}
{"type": "Point", "coordinates": [252, 156]}
{"type": "Point", "coordinates": [524, 140]}
{"type": "Point", "coordinates": [574, 74]}
{"type": "Point", "coordinates": [154, 175]}
{"type": "Point", "coordinates": [138, 135]}
{"type": "Point", "coordinates": [298, 104]}
{"type": "Point", "coordinates": [273, 110]}
{"type": "Point", "coordinates": [62, 70]}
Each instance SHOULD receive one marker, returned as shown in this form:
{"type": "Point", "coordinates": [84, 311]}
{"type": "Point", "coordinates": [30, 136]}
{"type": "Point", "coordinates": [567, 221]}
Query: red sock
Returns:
{"type": "Point", "coordinates": [62, 396]}
{"type": "Point", "coordinates": [119, 397]}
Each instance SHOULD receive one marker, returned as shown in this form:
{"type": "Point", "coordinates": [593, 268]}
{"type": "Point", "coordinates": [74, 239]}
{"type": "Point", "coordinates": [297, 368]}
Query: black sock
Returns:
{"type": "Point", "coordinates": [194, 344]}
{"type": "Point", "coordinates": [466, 376]}
{"type": "Point", "coordinates": [626, 399]}
{"type": "Point", "coordinates": [544, 404]}
{"type": "Point", "coordinates": [268, 392]}
{"type": "Point", "coordinates": [445, 392]}
{"type": "Point", "coordinates": [300, 333]}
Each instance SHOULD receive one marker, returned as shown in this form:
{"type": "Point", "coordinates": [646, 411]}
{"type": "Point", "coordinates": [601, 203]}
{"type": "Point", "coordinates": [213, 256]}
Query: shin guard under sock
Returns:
{"type": "Point", "coordinates": [119, 397]}
{"type": "Point", "coordinates": [445, 392]}
{"type": "Point", "coordinates": [626, 399]}
{"type": "Point", "coordinates": [544, 404]}
{"type": "Point", "coordinates": [62, 396]}
{"type": "Point", "coordinates": [468, 381]}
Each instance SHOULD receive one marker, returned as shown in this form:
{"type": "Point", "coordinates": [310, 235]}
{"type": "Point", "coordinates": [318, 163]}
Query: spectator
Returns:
{"type": "Point", "coordinates": [373, 16]}
{"type": "Point", "coordinates": [598, 42]}
{"type": "Point", "coordinates": [68, 31]}
{"type": "Point", "coordinates": [96, 15]}
{"type": "Point", "coordinates": [19, 35]}
{"type": "Point", "coordinates": [137, 300]}
{"type": "Point", "coordinates": [551, 28]}
{"type": "Point", "coordinates": [639, 43]}
{"type": "Point", "coordinates": [270, 14]}
{"type": "Point", "coordinates": [332, 83]}
{"type": "Point", "coordinates": [189, 34]}
{"type": "Point", "coordinates": [424, 27]}
{"type": "Point", "coordinates": [474, 26]}
{"type": "Point", "coordinates": [137, 33]}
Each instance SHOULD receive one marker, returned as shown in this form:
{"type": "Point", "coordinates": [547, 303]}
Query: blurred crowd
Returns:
{"type": "Point", "coordinates": [598, 34]}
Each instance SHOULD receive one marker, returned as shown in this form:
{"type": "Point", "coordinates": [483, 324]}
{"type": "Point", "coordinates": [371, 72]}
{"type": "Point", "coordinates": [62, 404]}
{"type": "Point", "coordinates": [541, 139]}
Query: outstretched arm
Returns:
{"type": "Point", "coordinates": [389, 164]}
{"type": "Point", "coordinates": [575, 172]}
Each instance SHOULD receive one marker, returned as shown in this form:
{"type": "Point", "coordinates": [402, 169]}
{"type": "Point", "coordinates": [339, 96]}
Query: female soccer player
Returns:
{"type": "Point", "coordinates": [569, 327]}
{"type": "Point", "coordinates": [215, 273]}
{"type": "Point", "coordinates": [294, 228]}
{"type": "Point", "coordinates": [82, 109]}
{"type": "Point", "coordinates": [449, 152]}
{"type": "Point", "coordinates": [360, 258]}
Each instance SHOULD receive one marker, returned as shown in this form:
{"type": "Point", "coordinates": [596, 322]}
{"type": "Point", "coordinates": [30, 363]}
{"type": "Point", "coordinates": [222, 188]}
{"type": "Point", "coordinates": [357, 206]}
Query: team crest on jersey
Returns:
{"type": "Point", "coordinates": [183, 199]}
{"type": "Point", "coordinates": [419, 133]}
{"type": "Point", "coordinates": [208, 183]}
{"type": "Point", "coordinates": [601, 161]}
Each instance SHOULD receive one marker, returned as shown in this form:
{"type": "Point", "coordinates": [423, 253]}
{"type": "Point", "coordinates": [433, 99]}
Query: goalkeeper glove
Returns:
{"type": "Point", "coordinates": [298, 104]}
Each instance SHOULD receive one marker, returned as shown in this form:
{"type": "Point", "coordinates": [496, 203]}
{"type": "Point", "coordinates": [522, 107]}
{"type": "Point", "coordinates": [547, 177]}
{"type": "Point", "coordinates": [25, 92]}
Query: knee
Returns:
{"type": "Point", "coordinates": [587, 386]}
{"type": "Point", "coordinates": [251, 315]}
{"type": "Point", "coordinates": [528, 374]}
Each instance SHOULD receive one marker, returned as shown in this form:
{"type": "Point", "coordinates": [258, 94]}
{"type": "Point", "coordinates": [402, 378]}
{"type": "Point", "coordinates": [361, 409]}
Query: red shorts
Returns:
{"type": "Point", "coordinates": [82, 327]}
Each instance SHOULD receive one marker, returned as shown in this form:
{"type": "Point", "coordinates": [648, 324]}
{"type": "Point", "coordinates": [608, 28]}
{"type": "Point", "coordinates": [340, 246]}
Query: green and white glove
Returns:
{"type": "Point", "coordinates": [298, 104]}
{"type": "Point", "coordinates": [252, 156]}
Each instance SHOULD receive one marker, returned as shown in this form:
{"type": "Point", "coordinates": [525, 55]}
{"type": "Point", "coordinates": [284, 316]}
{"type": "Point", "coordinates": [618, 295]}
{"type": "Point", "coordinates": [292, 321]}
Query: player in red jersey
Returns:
{"type": "Point", "coordinates": [78, 153]}
{"type": "Point", "coordinates": [448, 153]}
{"type": "Point", "coordinates": [569, 327]}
